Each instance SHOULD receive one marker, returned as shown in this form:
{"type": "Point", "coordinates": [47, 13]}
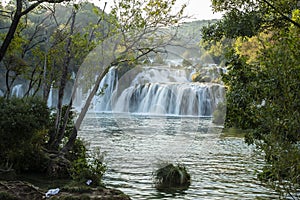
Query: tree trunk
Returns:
{"type": "Point", "coordinates": [12, 29]}
{"type": "Point", "coordinates": [63, 82]}
{"type": "Point", "coordinates": [83, 112]}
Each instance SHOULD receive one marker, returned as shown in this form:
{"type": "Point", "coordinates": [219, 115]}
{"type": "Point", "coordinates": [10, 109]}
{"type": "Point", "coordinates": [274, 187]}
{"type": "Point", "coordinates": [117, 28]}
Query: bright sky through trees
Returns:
{"type": "Point", "coordinates": [200, 9]}
{"type": "Point", "coordinates": [197, 9]}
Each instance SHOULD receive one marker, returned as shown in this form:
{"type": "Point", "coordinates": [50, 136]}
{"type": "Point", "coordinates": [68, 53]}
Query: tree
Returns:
{"type": "Point", "coordinates": [18, 14]}
{"type": "Point", "coordinates": [132, 30]}
{"type": "Point", "coordinates": [140, 31]}
{"type": "Point", "coordinates": [247, 18]}
{"type": "Point", "coordinates": [262, 84]}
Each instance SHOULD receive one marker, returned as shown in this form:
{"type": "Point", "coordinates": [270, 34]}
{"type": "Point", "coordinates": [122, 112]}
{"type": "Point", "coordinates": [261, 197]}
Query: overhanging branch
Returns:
{"type": "Point", "coordinates": [281, 13]}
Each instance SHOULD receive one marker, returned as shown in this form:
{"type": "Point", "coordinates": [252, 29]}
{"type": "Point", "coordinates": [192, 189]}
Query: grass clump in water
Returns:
{"type": "Point", "coordinates": [172, 177]}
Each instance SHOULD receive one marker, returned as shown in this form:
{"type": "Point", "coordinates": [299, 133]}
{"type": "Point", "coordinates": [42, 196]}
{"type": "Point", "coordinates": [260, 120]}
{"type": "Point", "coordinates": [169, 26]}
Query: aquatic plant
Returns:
{"type": "Point", "coordinates": [172, 177]}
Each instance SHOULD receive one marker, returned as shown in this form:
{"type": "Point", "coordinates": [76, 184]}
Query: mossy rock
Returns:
{"type": "Point", "coordinates": [196, 77]}
{"type": "Point", "coordinates": [199, 77]}
{"type": "Point", "coordinates": [171, 178]}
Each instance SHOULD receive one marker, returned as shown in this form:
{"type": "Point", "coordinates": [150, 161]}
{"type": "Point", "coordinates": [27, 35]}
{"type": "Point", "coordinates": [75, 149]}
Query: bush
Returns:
{"type": "Point", "coordinates": [265, 100]}
{"type": "Point", "coordinates": [172, 177]}
{"type": "Point", "coordinates": [23, 129]}
{"type": "Point", "coordinates": [87, 168]}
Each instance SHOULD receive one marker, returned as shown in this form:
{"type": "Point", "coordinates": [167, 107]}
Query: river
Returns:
{"type": "Point", "coordinates": [134, 146]}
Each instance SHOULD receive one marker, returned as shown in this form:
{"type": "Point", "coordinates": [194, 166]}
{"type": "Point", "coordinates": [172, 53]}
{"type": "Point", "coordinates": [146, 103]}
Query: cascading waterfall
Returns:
{"type": "Point", "coordinates": [17, 91]}
{"type": "Point", "coordinates": [50, 98]}
{"type": "Point", "coordinates": [158, 91]}
{"type": "Point", "coordinates": [102, 100]}
{"type": "Point", "coordinates": [196, 99]}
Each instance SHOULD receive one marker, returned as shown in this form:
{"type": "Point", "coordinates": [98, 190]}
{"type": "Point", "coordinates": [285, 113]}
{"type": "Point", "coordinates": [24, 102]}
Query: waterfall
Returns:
{"type": "Point", "coordinates": [77, 101]}
{"type": "Point", "coordinates": [193, 99]}
{"type": "Point", "coordinates": [102, 100]}
{"type": "Point", "coordinates": [17, 91]}
{"type": "Point", "coordinates": [50, 98]}
{"type": "Point", "coordinates": [157, 91]}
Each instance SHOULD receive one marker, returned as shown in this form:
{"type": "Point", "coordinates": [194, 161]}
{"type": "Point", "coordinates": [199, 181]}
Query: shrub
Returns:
{"type": "Point", "coordinates": [172, 177]}
{"type": "Point", "coordinates": [23, 129]}
{"type": "Point", "coordinates": [88, 168]}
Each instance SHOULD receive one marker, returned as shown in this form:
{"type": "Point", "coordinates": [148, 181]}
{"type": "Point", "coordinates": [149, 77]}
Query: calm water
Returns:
{"type": "Point", "coordinates": [136, 145]}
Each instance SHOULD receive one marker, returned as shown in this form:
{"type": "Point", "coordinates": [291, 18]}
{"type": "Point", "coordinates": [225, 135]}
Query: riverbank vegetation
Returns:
{"type": "Point", "coordinates": [260, 44]}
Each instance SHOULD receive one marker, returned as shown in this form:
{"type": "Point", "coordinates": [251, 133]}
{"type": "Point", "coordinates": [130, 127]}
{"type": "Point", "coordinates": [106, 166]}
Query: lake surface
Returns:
{"type": "Point", "coordinates": [136, 145]}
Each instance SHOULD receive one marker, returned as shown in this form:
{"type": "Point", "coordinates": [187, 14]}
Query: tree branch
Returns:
{"type": "Point", "coordinates": [281, 13]}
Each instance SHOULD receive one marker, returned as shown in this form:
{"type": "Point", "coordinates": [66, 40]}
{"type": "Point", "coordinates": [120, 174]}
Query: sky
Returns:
{"type": "Point", "coordinates": [200, 9]}
{"type": "Point", "coordinates": [197, 9]}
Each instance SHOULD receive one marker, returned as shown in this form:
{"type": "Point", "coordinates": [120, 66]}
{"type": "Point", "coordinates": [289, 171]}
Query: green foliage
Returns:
{"type": "Point", "coordinates": [70, 122]}
{"type": "Point", "coordinates": [83, 167]}
{"type": "Point", "coordinates": [86, 167]}
{"type": "Point", "coordinates": [245, 19]}
{"type": "Point", "coordinates": [172, 177]}
{"type": "Point", "coordinates": [241, 81]}
{"type": "Point", "coordinates": [265, 99]}
{"type": "Point", "coordinates": [258, 15]}
{"type": "Point", "coordinates": [263, 81]}
{"type": "Point", "coordinates": [232, 25]}
{"type": "Point", "coordinates": [138, 15]}
{"type": "Point", "coordinates": [23, 129]}
{"type": "Point", "coordinates": [215, 49]}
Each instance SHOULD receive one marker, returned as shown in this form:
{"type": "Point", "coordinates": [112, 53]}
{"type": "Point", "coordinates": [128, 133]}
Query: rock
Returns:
{"type": "Point", "coordinates": [20, 190]}
{"type": "Point", "coordinates": [91, 193]}
{"type": "Point", "coordinates": [196, 77]}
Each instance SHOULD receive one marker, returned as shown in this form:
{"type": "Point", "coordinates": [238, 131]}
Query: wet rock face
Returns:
{"type": "Point", "coordinates": [19, 190]}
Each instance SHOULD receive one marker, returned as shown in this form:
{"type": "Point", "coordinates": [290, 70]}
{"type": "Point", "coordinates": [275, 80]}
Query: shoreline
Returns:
{"type": "Point", "coordinates": [24, 190]}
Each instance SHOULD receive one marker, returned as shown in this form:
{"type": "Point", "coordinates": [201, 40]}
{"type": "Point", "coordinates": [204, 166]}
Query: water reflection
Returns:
{"type": "Point", "coordinates": [220, 167]}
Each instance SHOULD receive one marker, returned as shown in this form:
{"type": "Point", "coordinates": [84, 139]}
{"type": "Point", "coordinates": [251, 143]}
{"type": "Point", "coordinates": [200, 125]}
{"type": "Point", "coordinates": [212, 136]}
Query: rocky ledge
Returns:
{"type": "Point", "coordinates": [20, 190]}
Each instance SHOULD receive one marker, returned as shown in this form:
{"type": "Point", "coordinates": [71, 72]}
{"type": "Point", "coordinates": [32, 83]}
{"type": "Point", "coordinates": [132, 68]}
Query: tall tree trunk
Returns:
{"type": "Point", "coordinates": [66, 116]}
{"type": "Point", "coordinates": [12, 29]}
{"type": "Point", "coordinates": [63, 82]}
{"type": "Point", "coordinates": [67, 113]}
{"type": "Point", "coordinates": [14, 25]}
{"type": "Point", "coordinates": [83, 112]}
{"type": "Point", "coordinates": [45, 85]}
